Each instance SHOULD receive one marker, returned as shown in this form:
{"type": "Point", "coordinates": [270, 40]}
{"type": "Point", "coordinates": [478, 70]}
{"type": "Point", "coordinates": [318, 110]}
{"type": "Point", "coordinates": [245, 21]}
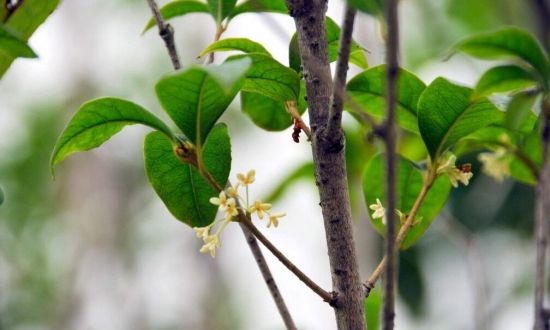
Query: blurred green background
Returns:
{"type": "Point", "coordinates": [96, 249]}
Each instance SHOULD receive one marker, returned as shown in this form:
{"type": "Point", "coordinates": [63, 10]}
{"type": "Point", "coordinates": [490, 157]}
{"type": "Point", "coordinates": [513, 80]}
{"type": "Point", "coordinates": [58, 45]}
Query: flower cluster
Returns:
{"type": "Point", "coordinates": [455, 174]}
{"type": "Point", "coordinates": [496, 164]}
{"type": "Point", "coordinates": [228, 202]}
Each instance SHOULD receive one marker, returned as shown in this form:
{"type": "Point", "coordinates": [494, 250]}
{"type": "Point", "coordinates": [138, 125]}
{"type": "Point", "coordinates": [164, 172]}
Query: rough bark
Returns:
{"type": "Point", "coordinates": [330, 166]}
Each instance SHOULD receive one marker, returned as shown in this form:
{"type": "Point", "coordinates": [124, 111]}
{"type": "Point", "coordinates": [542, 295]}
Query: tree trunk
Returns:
{"type": "Point", "coordinates": [330, 165]}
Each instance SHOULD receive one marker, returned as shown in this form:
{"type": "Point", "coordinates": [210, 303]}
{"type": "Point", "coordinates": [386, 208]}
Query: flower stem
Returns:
{"type": "Point", "coordinates": [369, 284]}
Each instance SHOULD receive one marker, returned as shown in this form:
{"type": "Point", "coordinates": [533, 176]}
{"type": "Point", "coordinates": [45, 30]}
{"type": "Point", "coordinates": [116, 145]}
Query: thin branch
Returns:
{"type": "Point", "coordinates": [369, 284]}
{"type": "Point", "coordinates": [542, 217]}
{"type": "Point", "coordinates": [291, 109]}
{"type": "Point", "coordinates": [268, 278]}
{"type": "Point", "coordinates": [342, 65]}
{"type": "Point", "coordinates": [166, 32]}
{"type": "Point", "coordinates": [391, 269]}
{"type": "Point", "coordinates": [326, 296]}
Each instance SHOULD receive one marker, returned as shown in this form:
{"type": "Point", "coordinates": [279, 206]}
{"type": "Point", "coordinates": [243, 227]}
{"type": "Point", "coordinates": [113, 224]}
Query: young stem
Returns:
{"type": "Point", "coordinates": [166, 32]}
{"type": "Point", "coordinates": [542, 216]}
{"type": "Point", "coordinates": [369, 284]}
{"type": "Point", "coordinates": [392, 248]}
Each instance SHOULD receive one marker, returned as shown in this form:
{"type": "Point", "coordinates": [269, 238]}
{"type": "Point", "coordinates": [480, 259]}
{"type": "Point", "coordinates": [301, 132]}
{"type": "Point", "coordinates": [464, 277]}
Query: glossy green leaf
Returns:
{"type": "Point", "coordinates": [357, 55]}
{"type": "Point", "coordinates": [508, 42]}
{"type": "Point", "coordinates": [183, 190]}
{"type": "Point", "coordinates": [367, 91]}
{"type": "Point", "coordinates": [409, 185]}
{"type": "Point", "coordinates": [504, 79]}
{"type": "Point", "coordinates": [13, 45]}
{"type": "Point", "coordinates": [531, 148]}
{"type": "Point", "coordinates": [268, 113]}
{"type": "Point", "coordinates": [197, 96]}
{"type": "Point", "coordinates": [97, 121]}
{"type": "Point", "coordinates": [260, 6]}
{"type": "Point", "coordinates": [23, 21]}
{"type": "Point", "coordinates": [446, 114]}
{"type": "Point", "coordinates": [220, 9]}
{"type": "Point", "coordinates": [372, 7]}
{"type": "Point", "coordinates": [269, 78]}
{"type": "Point", "coordinates": [178, 8]}
{"type": "Point", "coordinates": [519, 109]}
{"type": "Point", "coordinates": [240, 44]}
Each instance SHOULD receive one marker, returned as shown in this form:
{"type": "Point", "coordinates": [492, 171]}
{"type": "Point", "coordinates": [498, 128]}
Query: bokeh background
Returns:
{"type": "Point", "coordinates": [96, 248]}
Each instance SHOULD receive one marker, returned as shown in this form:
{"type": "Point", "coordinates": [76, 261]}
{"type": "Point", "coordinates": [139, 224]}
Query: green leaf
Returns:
{"type": "Point", "coordinates": [97, 121]}
{"type": "Point", "coordinates": [508, 42]}
{"type": "Point", "coordinates": [197, 96]}
{"type": "Point", "coordinates": [446, 114]}
{"type": "Point", "coordinates": [13, 45]}
{"type": "Point", "coordinates": [220, 9]}
{"type": "Point", "coordinates": [503, 79]}
{"type": "Point", "coordinates": [270, 78]}
{"type": "Point", "coordinates": [368, 90]}
{"type": "Point", "coordinates": [372, 7]}
{"type": "Point", "coordinates": [357, 55]}
{"type": "Point", "coordinates": [183, 190]}
{"type": "Point", "coordinates": [409, 185]}
{"type": "Point", "coordinates": [1, 196]}
{"type": "Point", "coordinates": [532, 148]}
{"type": "Point", "coordinates": [23, 21]}
{"type": "Point", "coordinates": [268, 113]}
{"type": "Point", "coordinates": [178, 8]}
{"type": "Point", "coordinates": [260, 6]}
{"type": "Point", "coordinates": [241, 44]}
{"type": "Point", "coordinates": [519, 109]}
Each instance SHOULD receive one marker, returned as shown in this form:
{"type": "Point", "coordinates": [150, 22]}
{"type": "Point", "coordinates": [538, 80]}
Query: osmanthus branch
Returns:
{"type": "Point", "coordinates": [166, 32]}
{"type": "Point", "coordinates": [328, 150]}
{"type": "Point", "coordinates": [244, 220]}
{"type": "Point", "coordinates": [389, 136]}
{"type": "Point", "coordinates": [407, 225]}
{"type": "Point", "coordinates": [342, 65]}
{"type": "Point", "coordinates": [542, 218]}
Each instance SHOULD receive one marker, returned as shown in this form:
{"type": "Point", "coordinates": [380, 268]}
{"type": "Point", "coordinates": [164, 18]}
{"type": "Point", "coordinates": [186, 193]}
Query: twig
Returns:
{"type": "Point", "coordinates": [369, 284]}
{"type": "Point", "coordinates": [291, 109]}
{"type": "Point", "coordinates": [391, 269]}
{"type": "Point", "coordinates": [268, 278]}
{"type": "Point", "coordinates": [326, 296]}
{"type": "Point", "coordinates": [342, 65]}
{"type": "Point", "coordinates": [542, 217]}
{"type": "Point", "coordinates": [166, 32]}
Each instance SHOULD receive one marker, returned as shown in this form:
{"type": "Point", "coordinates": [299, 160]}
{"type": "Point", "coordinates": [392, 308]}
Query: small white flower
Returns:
{"type": "Point", "coordinates": [202, 232]}
{"type": "Point", "coordinates": [248, 179]}
{"type": "Point", "coordinates": [455, 174]}
{"type": "Point", "coordinates": [221, 201]}
{"type": "Point", "coordinates": [379, 211]}
{"type": "Point", "coordinates": [231, 209]}
{"type": "Point", "coordinates": [212, 242]}
{"type": "Point", "coordinates": [496, 164]}
{"type": "Point", "coordinates": [233, 191]}
{"type": "Point", "coordinates": [274, 219]}
{"type": "Point", "coordinates": [259, 208]}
